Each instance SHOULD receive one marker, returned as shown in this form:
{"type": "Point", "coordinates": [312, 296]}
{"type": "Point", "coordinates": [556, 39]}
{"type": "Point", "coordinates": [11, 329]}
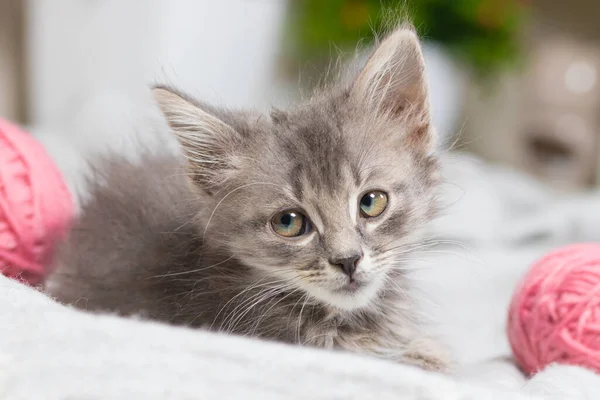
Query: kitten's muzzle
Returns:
{"type": "Point", "coordinates": [347, 264]}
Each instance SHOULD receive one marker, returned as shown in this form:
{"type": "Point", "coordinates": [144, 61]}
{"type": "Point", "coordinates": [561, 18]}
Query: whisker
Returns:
{"type": "Point", "coordinates": [256, 325]}
{"type": "Point", "coordinates": [300, 317]}
{"type": "Point", "coordinates": [191, 271]}
{"type": "Point", "coordinates": [232, 320]}
{"type": "Point", "coordinates": [253, 286]}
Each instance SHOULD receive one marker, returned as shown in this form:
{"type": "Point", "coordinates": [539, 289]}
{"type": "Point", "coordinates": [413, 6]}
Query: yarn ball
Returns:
{"type": "Point", "coordinates": [36, 207]}
{"type": "Point", "coordinates": [554, 315]}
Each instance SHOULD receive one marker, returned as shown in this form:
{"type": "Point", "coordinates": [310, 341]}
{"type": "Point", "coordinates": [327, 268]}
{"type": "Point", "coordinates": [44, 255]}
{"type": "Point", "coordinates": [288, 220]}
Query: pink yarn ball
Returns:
{"type": "Point", "coordinates": [36, 207]}
{"type": "Point", "coordinates": [554, 316]}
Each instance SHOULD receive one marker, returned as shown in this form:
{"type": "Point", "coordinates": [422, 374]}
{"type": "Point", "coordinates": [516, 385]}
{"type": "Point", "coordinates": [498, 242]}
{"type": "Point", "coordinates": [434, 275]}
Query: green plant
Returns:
{"type": "Point", "coordinates": [481, 32]}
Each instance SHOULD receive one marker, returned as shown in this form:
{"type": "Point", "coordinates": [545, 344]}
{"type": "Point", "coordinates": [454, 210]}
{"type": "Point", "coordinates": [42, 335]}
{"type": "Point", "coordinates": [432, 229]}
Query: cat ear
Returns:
{"type": "Point", "coordinates": [393, 79]}
{"type": "Point", "coordinates": [206, 140]}
{"type": "Point", "coordinates": [393, 83]}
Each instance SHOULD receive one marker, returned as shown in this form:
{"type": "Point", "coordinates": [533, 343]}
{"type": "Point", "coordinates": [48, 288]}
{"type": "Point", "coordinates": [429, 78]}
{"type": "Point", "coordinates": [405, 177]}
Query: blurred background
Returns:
{"type": "Point", "coordinates": [515, 82]}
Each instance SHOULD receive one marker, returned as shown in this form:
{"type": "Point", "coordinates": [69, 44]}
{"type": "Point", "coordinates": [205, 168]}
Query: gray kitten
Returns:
{"type": "Point", "coordinates": [292, 227]}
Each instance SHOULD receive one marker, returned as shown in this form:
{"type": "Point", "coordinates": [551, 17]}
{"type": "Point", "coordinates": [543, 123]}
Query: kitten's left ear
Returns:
{"type": "Point", "coordinates": [393, 79]}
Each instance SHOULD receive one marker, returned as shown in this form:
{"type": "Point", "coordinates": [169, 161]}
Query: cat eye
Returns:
{"type": "Point", "coordinates": [290, 224]}
{"type": "Point", "coordinates": [373, 204]}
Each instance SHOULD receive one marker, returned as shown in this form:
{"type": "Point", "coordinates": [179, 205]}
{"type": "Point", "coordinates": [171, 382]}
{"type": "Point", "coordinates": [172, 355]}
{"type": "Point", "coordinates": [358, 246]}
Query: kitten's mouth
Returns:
{"type": "Point", "coordinates": [349, 294]}
{"type": "Point", "coordinates": [351, 286]}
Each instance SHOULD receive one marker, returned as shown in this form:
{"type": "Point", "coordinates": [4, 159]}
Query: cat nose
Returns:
{"type": "Point", "coordinates": [347, 264]}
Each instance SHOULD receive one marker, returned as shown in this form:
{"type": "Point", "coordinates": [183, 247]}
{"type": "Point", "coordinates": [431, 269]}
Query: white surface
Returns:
{"type": "Point", "coordinates": [53, 353]}
{"type": "Point", "coordinates": [50, 352]}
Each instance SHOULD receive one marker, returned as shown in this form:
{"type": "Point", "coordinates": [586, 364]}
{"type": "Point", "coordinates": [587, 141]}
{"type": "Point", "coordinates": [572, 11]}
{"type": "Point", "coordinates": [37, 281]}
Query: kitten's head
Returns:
{"type": "Point", "coordinates": [325, 198]}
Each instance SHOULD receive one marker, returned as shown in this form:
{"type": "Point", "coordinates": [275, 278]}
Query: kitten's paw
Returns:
{"type": "Point", "coordinates": [428, 354]}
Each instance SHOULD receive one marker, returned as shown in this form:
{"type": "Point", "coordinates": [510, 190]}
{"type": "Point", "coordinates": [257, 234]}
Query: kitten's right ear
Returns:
{"type": "Point", "coordinates": [393, 83]}
{"type": "Point", "coordinates": [205, 139]}
{"type": "Point", "coordinates": [393, 78]}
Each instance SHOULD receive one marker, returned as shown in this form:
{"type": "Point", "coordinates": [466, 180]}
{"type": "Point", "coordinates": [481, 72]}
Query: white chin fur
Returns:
{"type": "Point", "coordinates": [350, 301]}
